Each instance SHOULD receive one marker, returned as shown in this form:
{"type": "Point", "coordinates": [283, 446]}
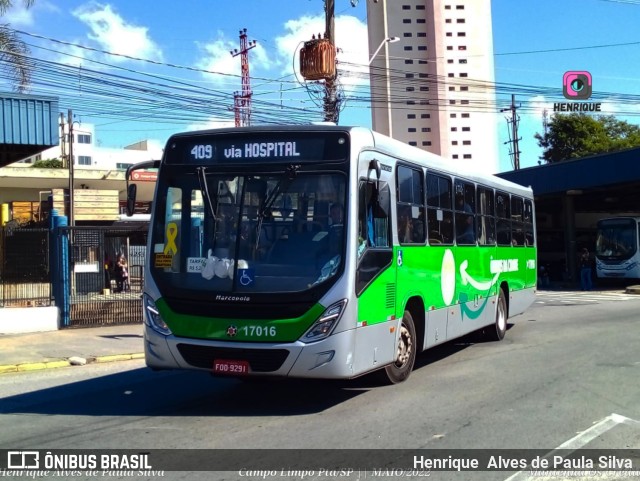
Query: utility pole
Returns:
{"type": "Point", "coordinates": [70, 124]}
{"type": "Point", "coordinates": [514, 151]}
{"type": "Point", "coordinates": [242, 101]}
{"type": "Point", "coordinates": [330, 100]}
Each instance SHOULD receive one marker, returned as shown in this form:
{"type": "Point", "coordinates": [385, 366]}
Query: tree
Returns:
{"type": "Point", "coordinates": [575, 135]}
{"type": "Point", "coordinates": [48, 164]}
{"type": "Point", "coordinates": [14, 52]}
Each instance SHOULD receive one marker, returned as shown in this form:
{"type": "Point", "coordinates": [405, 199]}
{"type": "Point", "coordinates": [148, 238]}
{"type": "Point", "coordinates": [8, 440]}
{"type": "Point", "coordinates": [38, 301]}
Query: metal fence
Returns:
{"type": "Point", "coordinates": [97, 295]}
{"type": "Point", "coordinates": [24, 267]}
{"type": "Point", "coordinates": [100, 295]}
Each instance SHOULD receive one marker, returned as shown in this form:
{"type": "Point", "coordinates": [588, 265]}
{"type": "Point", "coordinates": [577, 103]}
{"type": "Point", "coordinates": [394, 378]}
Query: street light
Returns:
{"type": "Point", "coordinates": [386, 40]}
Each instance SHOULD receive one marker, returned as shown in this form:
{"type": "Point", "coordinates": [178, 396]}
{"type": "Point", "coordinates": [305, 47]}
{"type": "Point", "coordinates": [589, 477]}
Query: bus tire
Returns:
{"type": "Point", "coordinates": [399, 370]}
{"type": "Point", "coordinates": [499, 329]}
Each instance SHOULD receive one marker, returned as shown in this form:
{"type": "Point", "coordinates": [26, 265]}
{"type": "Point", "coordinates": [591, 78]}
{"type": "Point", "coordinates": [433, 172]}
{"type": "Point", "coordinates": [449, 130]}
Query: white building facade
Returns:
{"type": "Point", "coordinates": [434, 88]}
{"type": "Point", "coordinates": [87, 155]}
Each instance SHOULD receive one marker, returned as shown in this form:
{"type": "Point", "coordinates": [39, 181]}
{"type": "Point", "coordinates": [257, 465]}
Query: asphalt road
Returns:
{"type": "Point", "coordinates": [566, 374]}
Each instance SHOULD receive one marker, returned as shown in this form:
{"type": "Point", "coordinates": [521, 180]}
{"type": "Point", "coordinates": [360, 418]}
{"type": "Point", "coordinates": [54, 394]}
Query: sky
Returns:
{"type": "Point", "coordinates": [146, 69]}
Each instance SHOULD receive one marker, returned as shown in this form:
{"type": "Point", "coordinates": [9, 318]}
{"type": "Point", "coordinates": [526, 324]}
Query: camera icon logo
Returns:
{"type": "Point", "coordinates": [576, 85]}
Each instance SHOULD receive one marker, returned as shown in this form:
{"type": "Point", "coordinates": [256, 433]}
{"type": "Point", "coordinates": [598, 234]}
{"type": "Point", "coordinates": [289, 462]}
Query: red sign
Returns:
{"type": "Point", "coordinates": [144, 176]}
{"type": "Point", "coordinates": [230, 367]}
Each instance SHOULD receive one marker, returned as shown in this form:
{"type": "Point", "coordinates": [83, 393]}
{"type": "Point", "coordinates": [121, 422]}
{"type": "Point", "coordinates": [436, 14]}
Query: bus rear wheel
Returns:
{"type": "Point", "coordinates": [399, 370]}
{"type": "Point", "coordinates": [499, 329]}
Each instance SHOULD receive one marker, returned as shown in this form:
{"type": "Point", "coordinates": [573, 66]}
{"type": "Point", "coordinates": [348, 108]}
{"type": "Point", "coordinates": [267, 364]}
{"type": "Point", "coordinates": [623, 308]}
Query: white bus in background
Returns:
{"type": "Point", "coordinates": [617, 243]}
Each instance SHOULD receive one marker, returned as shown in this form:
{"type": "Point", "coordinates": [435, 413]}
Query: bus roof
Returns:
{"type": "Point", "coordinates": [384, 144]}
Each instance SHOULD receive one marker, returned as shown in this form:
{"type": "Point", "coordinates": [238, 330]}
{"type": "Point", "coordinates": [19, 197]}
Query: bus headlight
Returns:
{"type": "Point", "coordinates": [325, 323]}
{"type": "Point", "coordinates": [152, 317]}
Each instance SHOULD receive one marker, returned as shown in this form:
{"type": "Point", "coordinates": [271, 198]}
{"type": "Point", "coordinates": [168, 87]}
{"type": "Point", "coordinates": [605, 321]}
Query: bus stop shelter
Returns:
{"type": "Point", "coordinates": [571, 197]}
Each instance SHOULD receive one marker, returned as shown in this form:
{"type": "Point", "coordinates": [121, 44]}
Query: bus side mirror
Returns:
{"type": "Point", "coordinates": [131, 199]}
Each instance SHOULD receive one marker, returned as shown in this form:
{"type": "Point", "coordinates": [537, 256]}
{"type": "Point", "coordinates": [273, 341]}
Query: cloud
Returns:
{"type": "Point", "coordinates": [212, 123]}
{"type": "Point", "coordinates": [114, 34]}
{"type": "Point", "coordinates": [19, 16]}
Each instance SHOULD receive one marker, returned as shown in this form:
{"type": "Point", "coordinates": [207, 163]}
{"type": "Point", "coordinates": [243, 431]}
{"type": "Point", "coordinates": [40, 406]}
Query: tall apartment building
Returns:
{"type": "Point", "coordinates": [434, 87]}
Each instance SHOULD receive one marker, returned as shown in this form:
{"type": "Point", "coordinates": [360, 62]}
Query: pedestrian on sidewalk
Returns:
{"type": "Point", "coordinates": [585, 270]}
{"type": "Point", "coordinates": [122, 274]}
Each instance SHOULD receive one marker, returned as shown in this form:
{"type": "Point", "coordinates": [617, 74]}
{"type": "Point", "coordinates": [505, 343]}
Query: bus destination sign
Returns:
{"type": "Point", "coordinates": [265, 148]}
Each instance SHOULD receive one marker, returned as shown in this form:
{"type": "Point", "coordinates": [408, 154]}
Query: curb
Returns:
{"type": "Point", "coordinates": [633, 290]}
{"type": "Point", "coordinates": [36, 366]}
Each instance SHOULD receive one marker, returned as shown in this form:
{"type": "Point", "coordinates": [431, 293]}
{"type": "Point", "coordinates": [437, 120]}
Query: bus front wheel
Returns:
{"type": "Point", "coordinates": [400, 369]}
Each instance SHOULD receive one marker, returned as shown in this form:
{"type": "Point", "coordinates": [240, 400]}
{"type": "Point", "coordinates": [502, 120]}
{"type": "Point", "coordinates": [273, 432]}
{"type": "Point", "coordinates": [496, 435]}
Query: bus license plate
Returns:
{"type": "Point", "coordinates": [230, 367]}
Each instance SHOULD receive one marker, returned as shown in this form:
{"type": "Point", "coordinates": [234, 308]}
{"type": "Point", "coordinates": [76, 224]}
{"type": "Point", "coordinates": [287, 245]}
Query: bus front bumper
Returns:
{"type": "Point", "coordinates": [330, 358]}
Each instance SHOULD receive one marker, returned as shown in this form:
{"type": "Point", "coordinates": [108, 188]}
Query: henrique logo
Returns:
{"type": "Point", "coordinates": [577, 85]}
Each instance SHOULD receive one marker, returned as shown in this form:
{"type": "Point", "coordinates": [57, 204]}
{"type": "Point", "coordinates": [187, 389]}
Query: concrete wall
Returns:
{"type": "Point", "coordinates": [14, 320]}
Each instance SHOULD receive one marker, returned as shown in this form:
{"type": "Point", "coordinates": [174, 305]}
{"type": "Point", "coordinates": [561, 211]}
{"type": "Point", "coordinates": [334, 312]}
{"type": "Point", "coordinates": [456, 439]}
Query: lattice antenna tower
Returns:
{"type": "Point", "coordinates": [242, 100]}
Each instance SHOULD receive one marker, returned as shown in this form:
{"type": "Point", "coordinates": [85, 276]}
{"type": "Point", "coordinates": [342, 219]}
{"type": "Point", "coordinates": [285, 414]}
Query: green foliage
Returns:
{"type": "Point", "coordinates": [14, 53]}
{"type": "Point", "coordinates": [571, 136]}
{"type": "Point", "coordinates": [48, 164]}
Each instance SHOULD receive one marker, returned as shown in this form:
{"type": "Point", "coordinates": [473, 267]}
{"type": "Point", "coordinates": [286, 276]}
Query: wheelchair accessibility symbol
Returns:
{"type": "Point", "coordinates": [246, 277]}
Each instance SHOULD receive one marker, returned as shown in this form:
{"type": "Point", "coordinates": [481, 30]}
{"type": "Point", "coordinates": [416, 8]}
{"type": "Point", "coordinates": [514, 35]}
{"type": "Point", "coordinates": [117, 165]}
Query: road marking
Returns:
{"type": "Point", "coordinates": [580, 440]}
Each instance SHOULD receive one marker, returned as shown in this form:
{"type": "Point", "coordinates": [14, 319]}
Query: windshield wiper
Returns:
{"type": "Point", "coordinates": [204, 189]}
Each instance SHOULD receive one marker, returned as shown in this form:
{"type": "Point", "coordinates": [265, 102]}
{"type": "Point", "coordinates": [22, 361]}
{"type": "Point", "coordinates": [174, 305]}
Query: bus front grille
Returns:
{"type": "Point", "coordinates": [260, 360]}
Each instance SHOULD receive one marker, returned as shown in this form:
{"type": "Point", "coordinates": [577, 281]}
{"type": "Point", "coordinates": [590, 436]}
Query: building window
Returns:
{"type": "Point", "coordinates": [453, 116]}
{"type": "Point", "coordinates": [454, 142]}
{"type": "Point", "coordinates": [465, 116]}
{"type": "Point", "coordinates": [410, 89]}
{"type": "Point", "coordinates": [411, 102]}
{"type": "Point", "coordinates": [464, 102]}
{"type": "Point", "coordinates": [419, 7]}
{"type": "Point", "coordinates": [449, 34]}
{"type": "Point", "coordinates": [450, 60]}
{"type": "Point", "coordinates": [467, 156]}
{"type": "Point", "coordinates": [422, 34]}
{"type": "Point", "coordinates": [450, 75]}
{"type": "Point", "coordinates": [415, 144]}
{"type": "Point", "coordinates": [423, 75]}
{"type": "Point", "coordinates": [411, 116]}
{"type": "Point", "coordinates": [451, 88]}
{"type": "Point", "coordinates": [122, 166]}
{"type": "Point", "coordinates": [408, 61]}
{"type": "Point", "coordinates": [406, 7]}
{"type": "Point", "coordinates": [426, 129]}
{"type": "Point", "coordinates": [411, 129]}
{"type": "Point", "coordinates": [462, 34]}
{"type": "Point", "coordinates": [447, 7]}
{"type": "Point", "coordinates": [426, 143]}
{"type": "Point", "coordinates": [459, 7]}
{"type": "Point", "coordinates": [449, 47]}
{"type": "Point", "coordinates": [466, 129]}
{"type": "Point", "coordinates": [464, 88]}
{"type": "Point", "coordinates": [406, 20]}
{"type": "Point", "coordinates": [424, 89]}
{"type": "Point", "coordinates": [466, 142]}
{"type": "Point", "coordinates": [462, 47]}
{"type": "Point", "coordinates": [407, 48]}
{"type": "Point", "coordinates": [463, 74]}
{"type": "Point", "coordinates": [424, 102]}
{"type": "Point", "coordinates": [448, 20]}
{"type": "Point", "coordinates": [422, 47]}
{"type": "Point", "coordinates": [460, 20]}
{"type": "Point", "coordinates": [408, 75]}
{"type": "Point", "coordinates": [455, 156]}
{"type": "Point", "coordinates": [408, 34]}
{"type": "Point", "coordinates": [84, 138]}
{"type": "Point", "coordinates": [421, 20]}
{"type": "Point", "coordinates": [425, 116]}
{"type": "Point", "coordinates": [422, 62]}
{"type": "Point", "coordinates": [84, 160]}
{"type": "Point", "coordinates": [454, 129]}
{"type": "Point", "coordinates": [462, 60]}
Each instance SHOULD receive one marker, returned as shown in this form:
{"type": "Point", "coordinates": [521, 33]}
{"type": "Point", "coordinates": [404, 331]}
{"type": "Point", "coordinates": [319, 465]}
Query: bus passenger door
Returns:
{"type": "Point", "coordinates": [375, 277]}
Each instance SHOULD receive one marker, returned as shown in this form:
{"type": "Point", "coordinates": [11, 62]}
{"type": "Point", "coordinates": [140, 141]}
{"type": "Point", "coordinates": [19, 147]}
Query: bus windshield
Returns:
{"type": "Point", "coordinates": [231, 233]}
{"type": "Point", "coordinates": [616, 239]}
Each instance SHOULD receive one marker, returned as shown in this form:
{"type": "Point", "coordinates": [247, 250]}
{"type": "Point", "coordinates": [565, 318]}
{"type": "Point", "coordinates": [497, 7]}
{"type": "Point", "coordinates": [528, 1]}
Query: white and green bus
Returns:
{"type": "Point", "coordinates": [325, 252]}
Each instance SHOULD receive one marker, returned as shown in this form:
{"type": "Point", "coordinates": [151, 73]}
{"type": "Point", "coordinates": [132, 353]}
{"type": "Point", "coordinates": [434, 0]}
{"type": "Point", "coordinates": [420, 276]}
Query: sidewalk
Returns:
{"type": "Point", "coordinates": [43, 350]}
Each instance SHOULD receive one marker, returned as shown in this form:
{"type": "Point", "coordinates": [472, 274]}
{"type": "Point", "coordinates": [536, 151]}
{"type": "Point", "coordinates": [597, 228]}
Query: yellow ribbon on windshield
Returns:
{"type": "Point", "coordinates": [172, 234]}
